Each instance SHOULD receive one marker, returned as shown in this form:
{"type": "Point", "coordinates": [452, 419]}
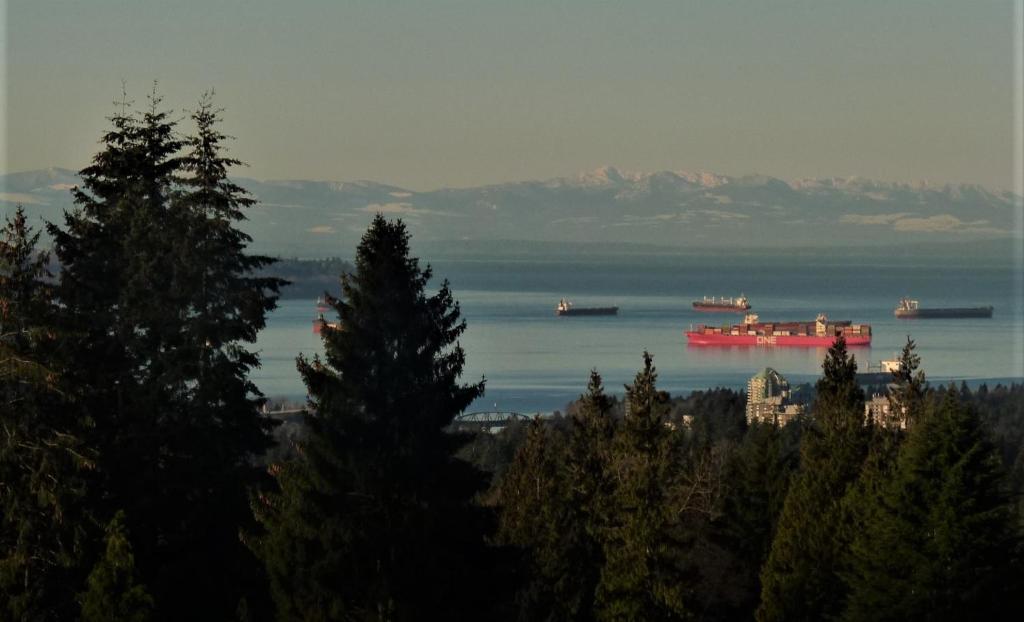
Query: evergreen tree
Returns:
{"type": "Point", "coordinates": [643, 577]}
{"type": "Point", "coordinates": [533, 514]}
{"type": "Point", "coordinates": [112, 593]}
{"type": "Point", "coordinates": [800, 579]}
{"type": "Point", "coordinates": [864, 498]}
{"type": "Point", "coordinates": [26, 298]}
{"type": "Point", "coordinates": [759, 473]}
{"type": "Point", "coordinates": [113, 251]}
{"type": "Point", "coordinates": [493, 453]}
{"type": "Point", "coordinates": [941, 541]}
{"type": "Point", "coordinates": [717, 415]}
{"type": "Point", "coordinates": [550, 500]}
{"type": "Point", "coordinates": [907, 395]}
{"type": "Point", "coordinates": [43, 459]}
{"type": "Point", "coordinates": [223, 306]}
{"type": "Point", "coordinates": [160, 299]}
{"type": "Point", "coordinates": [375, 519]}
{"type": "Point", "coordinates": [586, 467]}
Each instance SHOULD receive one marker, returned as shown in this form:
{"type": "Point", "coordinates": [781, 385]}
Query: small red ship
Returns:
{"type": "Point", "coordinates": [319, 322]}
{"type": "Point", "coordinates": [822, 333]}
{"type": "Point", "coordinates": [737, 305]}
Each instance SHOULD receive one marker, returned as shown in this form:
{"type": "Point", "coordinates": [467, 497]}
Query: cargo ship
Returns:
{"type": "Point", "coordinates": [567, 308]}
{"type": "Point", "coordinates": [909, 309]}
{"type": "Point", "coordinates": [320, 322]}
{"type": "Point", "coordinates": [821, 333]}
{"type": "Point", "coordinates": [880, 374]}
{"type": "Point", "coordinates": [737, 305]}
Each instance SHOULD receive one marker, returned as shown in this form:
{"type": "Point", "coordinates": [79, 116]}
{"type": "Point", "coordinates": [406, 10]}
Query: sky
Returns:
{"type": "Point", "coordinates": [437, 93]}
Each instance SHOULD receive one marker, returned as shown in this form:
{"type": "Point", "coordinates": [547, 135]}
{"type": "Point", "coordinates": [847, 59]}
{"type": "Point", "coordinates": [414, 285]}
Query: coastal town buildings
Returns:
{"type": "Point", "coordinates": [769, 399]}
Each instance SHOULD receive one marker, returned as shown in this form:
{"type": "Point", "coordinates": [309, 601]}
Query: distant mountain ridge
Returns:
{"type": "Point", "coordinates": [680, 210]}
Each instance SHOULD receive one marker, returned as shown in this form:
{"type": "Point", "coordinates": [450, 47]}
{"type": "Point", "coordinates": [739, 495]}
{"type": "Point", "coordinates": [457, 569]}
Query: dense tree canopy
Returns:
{"type": "Point", "coordinates": [551, 499]}
{"type": "Point", "coordinates": [374, 519]}
{"type": "Point", "coordinates": [643, 577]}
{"type": "Point", "coordinates": [112, 594]}
{"type": "Point", "coordinates": [157, 291]}
{"type": "Point", "coordinates": [940, 541]}
{"type": "Point", "coordinates": [800, 579]}
{"type": "Point", "coordinates": [44, 460]}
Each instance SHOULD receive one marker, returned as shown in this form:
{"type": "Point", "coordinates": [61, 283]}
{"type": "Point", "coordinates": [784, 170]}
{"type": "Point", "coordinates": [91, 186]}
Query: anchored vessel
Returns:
{"type": "Point", "coordinates": [822, 332]}
{"type": "Point", "coordinates": [566, 308]}
{"type": "Point", "coordinates": [879, 374]}
{"type": "Point", "coordinates": [911, 309]}
{"type": "Point", "coordinates": [737, 305]}
{"type": "Point", "coordinates": [319, 321]}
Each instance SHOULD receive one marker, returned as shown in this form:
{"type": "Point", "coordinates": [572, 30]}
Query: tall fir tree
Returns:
{"type": "Point", "coordinates": [941, 541]}
{"type": "Point", "coordinates": [550, 499]}
{"type": "Point", "coordinates": [43, 457]}
{"type": "Point", "coordinates": [906, 397]}
{"type": "Point", "coordinates": [113, 250]}
{"type": "Point", "coordinates": [159, 295]}
{"type": "Point", "coordinates": [375, 519]}
{"type": "Point", "coordinates": [112, 593]}
{"type": "Point", "coordinates": [26, 301]}
{"type": "Point", "coordinates": [909, 386]}
{"type": "Point", "coordinates": [587, 475]}
{"type": "Point", "coordinates": [801, 577]}
{"type": "Point", "coordinates": [885, 437]}
{"type": "Point", "coordinates": [759, 473]}
{"type": "Point", "coordinates": [644, 577]}
{"type": "Point", "coordinates": [533, 514]}
{"type": "Point", "coordinates": [224, 305]}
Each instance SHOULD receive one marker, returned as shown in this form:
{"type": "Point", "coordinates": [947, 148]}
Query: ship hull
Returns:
{"type": "Point", "coordinates": [714, 308]}
{"type": "Point", "coordinates": [319, 325]}
{"type": "Point", "coordinates": [938, 314]}
{"type": "Point", "coordinates": [588, 311]}
{"type": "Point", "coordinates": [799, 341]}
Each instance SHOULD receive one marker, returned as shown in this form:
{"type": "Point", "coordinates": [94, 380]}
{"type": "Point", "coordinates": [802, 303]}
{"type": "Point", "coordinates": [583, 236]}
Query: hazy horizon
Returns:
{"type": "Point", "coordinates": [311, 218]}
{"type": "Point", "coordinates": [451, 94]}
{"type": "Point", "coordinates": [243, 172]}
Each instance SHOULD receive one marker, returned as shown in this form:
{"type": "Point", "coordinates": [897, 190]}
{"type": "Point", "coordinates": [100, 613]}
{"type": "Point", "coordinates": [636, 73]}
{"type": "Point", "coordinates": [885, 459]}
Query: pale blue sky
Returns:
{"type": "Point", "coordinates": [452, 93]}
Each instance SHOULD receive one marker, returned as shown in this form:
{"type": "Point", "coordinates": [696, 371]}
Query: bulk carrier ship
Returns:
{"type": "Point", "coordinates": [821, 333]}
{"type": "Point", "coordinates": [737, 305]}
{"type": "Point", "coordinates": [909, 309]}
{"type": "Point", "coordinates": [567, 308]}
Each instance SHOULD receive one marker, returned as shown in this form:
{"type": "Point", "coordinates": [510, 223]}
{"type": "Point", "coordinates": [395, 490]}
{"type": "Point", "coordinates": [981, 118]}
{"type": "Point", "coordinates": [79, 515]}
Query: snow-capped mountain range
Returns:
{"type": "Point", "coordinates": [680, 210]}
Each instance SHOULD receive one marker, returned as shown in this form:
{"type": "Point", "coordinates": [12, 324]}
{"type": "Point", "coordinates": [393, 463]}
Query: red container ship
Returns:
{"type": "Point", "coordinates": [820, 333]}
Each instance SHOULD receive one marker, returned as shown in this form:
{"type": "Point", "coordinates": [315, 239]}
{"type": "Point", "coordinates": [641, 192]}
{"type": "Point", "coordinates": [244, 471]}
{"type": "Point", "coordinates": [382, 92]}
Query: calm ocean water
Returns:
{"type": "Point", "coordinates": [535, 361]}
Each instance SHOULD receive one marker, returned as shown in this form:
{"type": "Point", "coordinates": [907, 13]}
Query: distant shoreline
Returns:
{"type": "Point", "coordinates": [557, 400]}
{"type": "Point", "coordinates": [311, 277]}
